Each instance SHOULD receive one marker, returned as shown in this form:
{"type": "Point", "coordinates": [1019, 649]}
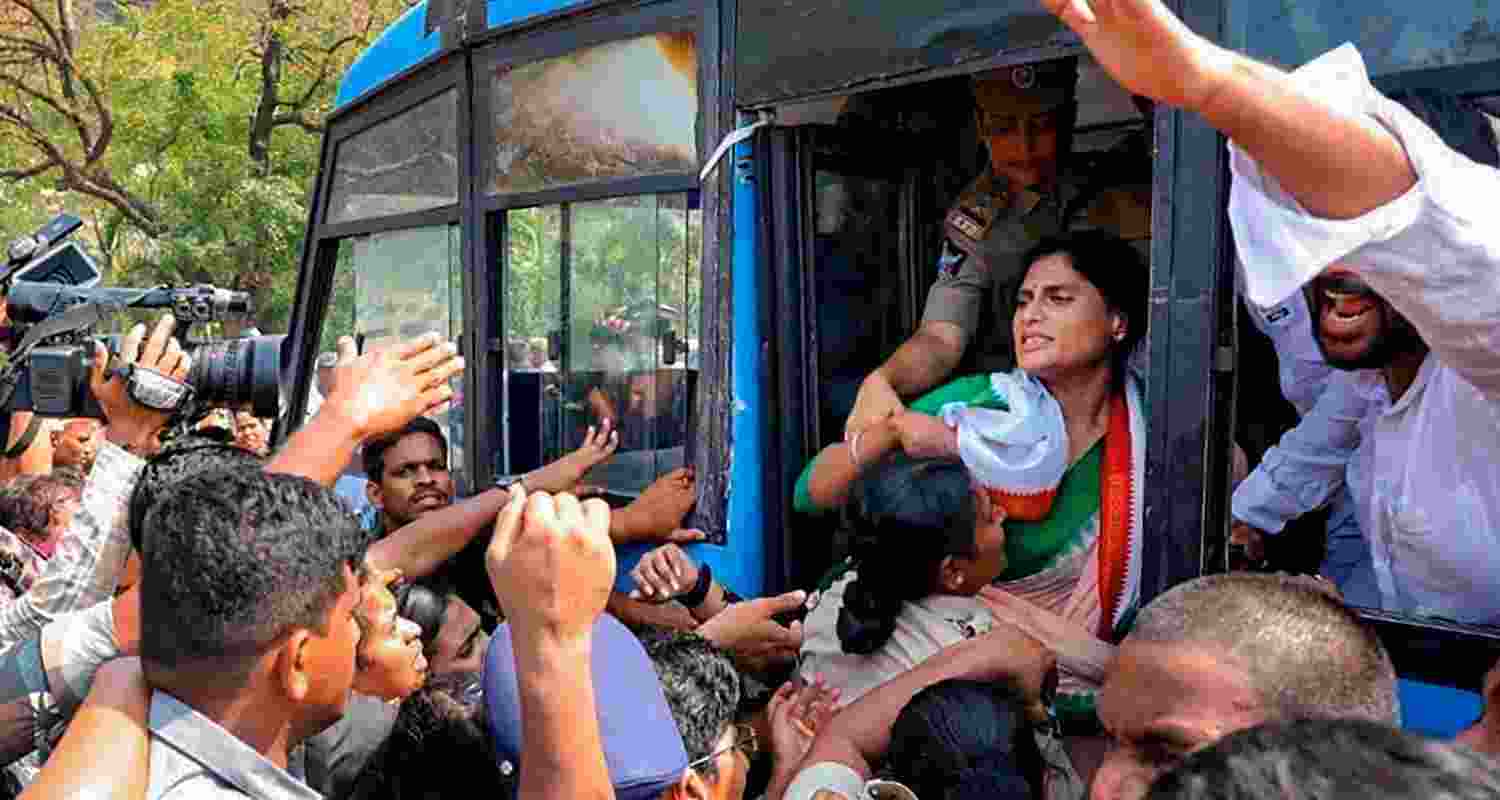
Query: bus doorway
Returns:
{"type": "Point", "coordinates": [859, 188]}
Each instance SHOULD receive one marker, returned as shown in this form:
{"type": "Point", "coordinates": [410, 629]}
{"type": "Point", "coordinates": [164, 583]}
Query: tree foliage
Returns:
{"type": "Point", "coordinates": [185, 132]}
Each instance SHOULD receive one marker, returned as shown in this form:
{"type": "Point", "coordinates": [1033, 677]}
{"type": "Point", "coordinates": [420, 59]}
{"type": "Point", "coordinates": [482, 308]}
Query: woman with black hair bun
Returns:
{"type": "Point", "coordinates": [924, 541]}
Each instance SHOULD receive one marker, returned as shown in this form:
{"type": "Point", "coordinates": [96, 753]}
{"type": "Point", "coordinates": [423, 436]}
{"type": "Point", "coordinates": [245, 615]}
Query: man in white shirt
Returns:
{"type": "Point", "coordinates": [1327, 172]}
{"type": "Point", "coordinates": [1305, 470]}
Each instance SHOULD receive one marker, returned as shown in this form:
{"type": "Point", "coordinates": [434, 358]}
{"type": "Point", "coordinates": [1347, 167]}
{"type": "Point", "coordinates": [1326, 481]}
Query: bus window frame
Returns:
{"type": "Point", "coordinates": [405, 91]}
{"type": "Point", "coordinates": [708, 446]}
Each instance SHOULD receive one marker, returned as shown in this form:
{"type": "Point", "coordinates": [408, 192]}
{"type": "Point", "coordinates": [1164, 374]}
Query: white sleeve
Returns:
{"type": "Point", "coordinates": [1433, 253]}
{"type": "Point", "coordinates": [1305, 468]}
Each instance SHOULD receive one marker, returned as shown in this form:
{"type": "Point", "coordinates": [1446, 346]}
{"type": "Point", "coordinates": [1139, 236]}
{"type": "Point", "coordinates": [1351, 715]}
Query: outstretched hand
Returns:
{"type": "Point", "coordinates": [796, 713]}
{"type": "Point", "coordinates": [747, 631]}
{"type": "Point", "coordinates": [1145, 48]}
{"type": "Point", "coordinates": [384, 389]}
{"type": "Point", "coordinates": [551, 564]}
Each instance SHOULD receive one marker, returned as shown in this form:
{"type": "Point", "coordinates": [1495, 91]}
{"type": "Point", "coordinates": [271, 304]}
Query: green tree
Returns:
{"type": "Point", "coordinates": [186, 132]}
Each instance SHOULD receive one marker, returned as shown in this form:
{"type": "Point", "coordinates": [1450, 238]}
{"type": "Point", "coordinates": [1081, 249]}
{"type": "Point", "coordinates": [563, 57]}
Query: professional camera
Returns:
{"type": "Point", "coordinates": [54, 305]}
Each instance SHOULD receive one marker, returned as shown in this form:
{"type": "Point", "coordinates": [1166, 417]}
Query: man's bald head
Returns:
{"type": "Point", "coordinates": [1306, 653]}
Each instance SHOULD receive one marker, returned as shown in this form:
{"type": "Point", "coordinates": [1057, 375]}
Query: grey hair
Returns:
{"type": "Point", "coordinates": [1307, 654]}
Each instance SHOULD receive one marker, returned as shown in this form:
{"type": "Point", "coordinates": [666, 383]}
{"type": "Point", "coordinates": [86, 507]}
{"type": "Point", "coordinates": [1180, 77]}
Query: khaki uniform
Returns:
{"type": "Point", "coordinates": [986, 234]}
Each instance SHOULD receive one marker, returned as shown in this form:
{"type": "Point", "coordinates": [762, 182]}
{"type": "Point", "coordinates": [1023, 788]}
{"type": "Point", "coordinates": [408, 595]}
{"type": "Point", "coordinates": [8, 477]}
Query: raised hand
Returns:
{"type": "Point", "coordinates": [391, 385]}
{"type": "Point", "coordinates": [551, 564]}
{"type": "Point", "coordinates": [796, 713]}
{"type": "Point", "coordinates": [658, 513]}
{"type": "Point", "coordinates": [1145, 48]}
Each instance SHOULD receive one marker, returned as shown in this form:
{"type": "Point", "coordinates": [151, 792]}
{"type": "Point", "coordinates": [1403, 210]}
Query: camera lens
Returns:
{"type": "Point", "coordinates": [239, 371]}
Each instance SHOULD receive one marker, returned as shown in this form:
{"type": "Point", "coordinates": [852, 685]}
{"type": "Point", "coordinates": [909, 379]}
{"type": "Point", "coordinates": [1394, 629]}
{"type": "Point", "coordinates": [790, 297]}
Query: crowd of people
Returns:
{"type": "Point", "coordinates": [208, 617]}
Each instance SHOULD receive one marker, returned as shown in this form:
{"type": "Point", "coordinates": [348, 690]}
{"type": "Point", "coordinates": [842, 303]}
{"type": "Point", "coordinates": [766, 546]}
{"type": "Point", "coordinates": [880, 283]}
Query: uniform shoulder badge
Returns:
{"type": "Point", "coordinates": [951, 261]}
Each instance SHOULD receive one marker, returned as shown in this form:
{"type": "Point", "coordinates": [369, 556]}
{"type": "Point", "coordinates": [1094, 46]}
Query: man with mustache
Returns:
{"type": "Point", "coordinates": [1341, 188]}
{"type": "Point", "coordinates": [408, 474]}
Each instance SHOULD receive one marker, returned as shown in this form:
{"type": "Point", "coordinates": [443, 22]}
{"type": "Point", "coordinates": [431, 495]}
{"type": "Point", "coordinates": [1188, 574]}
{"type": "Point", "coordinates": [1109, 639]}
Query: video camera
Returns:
{"type": "Point", "coordinates": [54, 303]}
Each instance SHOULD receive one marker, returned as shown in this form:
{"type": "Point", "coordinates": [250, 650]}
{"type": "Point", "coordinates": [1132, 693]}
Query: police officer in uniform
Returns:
{"type": "Point", "coordinates": [1024, 115]}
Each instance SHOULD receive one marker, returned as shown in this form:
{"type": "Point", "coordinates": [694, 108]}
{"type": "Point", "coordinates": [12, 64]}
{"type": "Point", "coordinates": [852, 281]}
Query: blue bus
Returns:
{"type": "Point", "coordinates": [709, 218]}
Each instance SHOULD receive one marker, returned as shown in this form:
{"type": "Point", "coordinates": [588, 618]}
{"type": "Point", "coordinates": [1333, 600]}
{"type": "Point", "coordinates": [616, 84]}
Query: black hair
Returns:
{"type": "Point", "coordinates": [237, 558]}
{"type": "Point", "coordinates": [1458, 120]}
{"type": "Point", "coordinates": [439, 746]}
{"type": "Point", "coordinates": [1327, 760]}
{"type": "Point", "coordinates": [701, 686]}
{"type": "Point", "coordinates": [904, 517]}
{"type": "Point", "coordinates": [183, 458]}
{"type": "Point", "coordinates": [374, 449]}
{"type": "Point", "coordinates": [426, 604]}
{"type": "Point", "coordinates": [962, 739]}
{"type": "Point", "coordinates": [1113, 267]}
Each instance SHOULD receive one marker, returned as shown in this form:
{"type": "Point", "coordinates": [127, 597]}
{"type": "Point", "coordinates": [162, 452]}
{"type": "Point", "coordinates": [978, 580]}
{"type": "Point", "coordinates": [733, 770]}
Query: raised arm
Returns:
{"type": "Point", "coordinates": [419, 547]}
{"type": "Point", "coordinates": [1325, 168]}
{"type": "Point", "coordinates": [373, 393]}
{"type": "Point", "coordinates": [551, 565]}
{"type": "Point", "coordinates": [1338, 164]}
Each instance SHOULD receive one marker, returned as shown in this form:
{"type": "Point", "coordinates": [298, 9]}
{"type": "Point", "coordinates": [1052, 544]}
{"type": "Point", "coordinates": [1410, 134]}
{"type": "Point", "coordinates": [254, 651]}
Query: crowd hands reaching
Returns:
{"type": "Point", "coordinates": [213, 621]}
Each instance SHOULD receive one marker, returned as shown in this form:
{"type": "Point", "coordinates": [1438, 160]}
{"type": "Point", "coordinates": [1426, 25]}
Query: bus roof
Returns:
{"type": "Point", "coordinates": [406, 43]}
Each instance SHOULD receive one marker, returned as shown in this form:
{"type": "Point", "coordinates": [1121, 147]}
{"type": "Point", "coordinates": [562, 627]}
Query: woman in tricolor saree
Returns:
{"type": "Point", "coordinates": [1057, 444]}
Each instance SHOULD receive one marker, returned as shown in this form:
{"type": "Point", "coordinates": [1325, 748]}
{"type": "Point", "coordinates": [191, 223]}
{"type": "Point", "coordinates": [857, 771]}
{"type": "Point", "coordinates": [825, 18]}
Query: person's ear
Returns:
{"type": "Point", "coordinates": [374, 494]}
{"type": "Point", "coordinates": [294, 665]}
{"type": "Point", "coordinates": [1119, 326]}
{"type": "Point", "coordinates": [951, 575]}
{"type": "Point", "coordinates": [691, 786]}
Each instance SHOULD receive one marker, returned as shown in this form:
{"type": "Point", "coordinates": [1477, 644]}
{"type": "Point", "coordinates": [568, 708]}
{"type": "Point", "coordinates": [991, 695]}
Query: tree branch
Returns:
{"type": "Point", "coordinates": [299, 119]}
{"type": "Point", "coordinates": [28, 172]}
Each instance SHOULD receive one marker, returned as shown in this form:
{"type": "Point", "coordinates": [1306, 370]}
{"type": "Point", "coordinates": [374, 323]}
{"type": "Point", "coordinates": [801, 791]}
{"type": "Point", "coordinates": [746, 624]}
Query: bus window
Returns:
{"type": "Point", "coordinates": [404, 164]}
{"type": "Point", "coordinates": [625, 109]}
{"type": "Point", "coordinates": [601, 295]}
{"type": "Point", "coordinates": [396, 285]}
{"type": "Point", "coordinates": [602, 315]}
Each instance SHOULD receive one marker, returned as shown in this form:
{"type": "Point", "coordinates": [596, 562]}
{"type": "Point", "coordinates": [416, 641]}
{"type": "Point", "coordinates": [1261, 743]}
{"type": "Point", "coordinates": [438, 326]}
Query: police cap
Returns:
{"type": "Point", "coordinates": [1026, 88]}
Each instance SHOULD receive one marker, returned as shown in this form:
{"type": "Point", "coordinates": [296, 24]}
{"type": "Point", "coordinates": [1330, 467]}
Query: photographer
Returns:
{"type": "Point", "coordinates": [90, 555]}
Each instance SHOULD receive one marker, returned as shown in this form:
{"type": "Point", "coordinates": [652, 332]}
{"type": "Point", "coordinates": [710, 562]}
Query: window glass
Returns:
{"type": "Point", "coordinates": [399, 284]}
{"type": "Point", "coordinates": [620, 110]}
{"type": "Point", "coordinates": [1392, 35]}
{"type": "Point", "coordinates": [602, 306]}
{"type": "Point", "coordinates": [404, 164]}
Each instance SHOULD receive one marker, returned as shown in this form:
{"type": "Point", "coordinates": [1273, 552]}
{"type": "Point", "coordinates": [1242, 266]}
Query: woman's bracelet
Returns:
{"type": "Point", "coordinates": [695, 596]}
{"type": "Point", "coordinates": [854, 449]}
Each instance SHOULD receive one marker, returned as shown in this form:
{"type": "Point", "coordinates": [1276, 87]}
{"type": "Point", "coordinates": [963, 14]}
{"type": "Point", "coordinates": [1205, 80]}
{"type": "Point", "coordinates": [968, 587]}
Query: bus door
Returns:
{"type": "Point", "coordinates": [857, 187]}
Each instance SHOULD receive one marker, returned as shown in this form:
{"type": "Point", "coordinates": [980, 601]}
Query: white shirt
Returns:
{"type": "Point", "coordinates": [1426, 473]}
{"type": "Point", "coordinates": [1305, 469]}
{"type": "Point", "coordinates": [922, 629]}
